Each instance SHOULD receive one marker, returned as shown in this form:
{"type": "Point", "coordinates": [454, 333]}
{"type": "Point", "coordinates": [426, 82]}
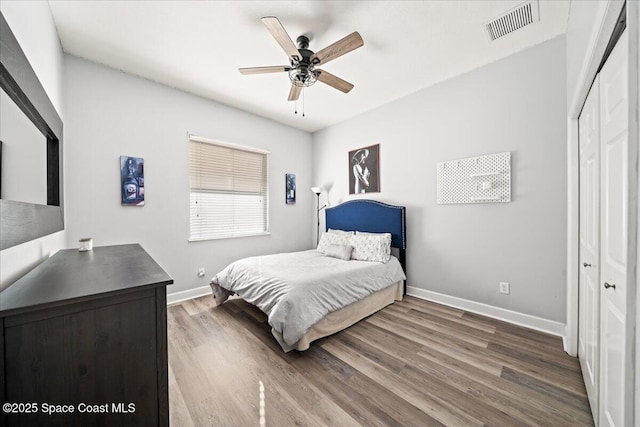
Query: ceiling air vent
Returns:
{"type": "Point", "coordinates": [516, 18]}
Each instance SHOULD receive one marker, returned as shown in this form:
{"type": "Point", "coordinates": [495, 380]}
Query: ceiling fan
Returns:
{"type": "Point", "coordinates": [303, 71]}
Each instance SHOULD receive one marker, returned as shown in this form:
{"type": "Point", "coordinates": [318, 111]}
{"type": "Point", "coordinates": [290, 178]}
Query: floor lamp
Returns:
{"type": "Point", "coordinates": [317, 191]}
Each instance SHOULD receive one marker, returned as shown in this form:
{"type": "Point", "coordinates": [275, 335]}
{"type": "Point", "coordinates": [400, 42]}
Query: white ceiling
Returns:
{"type": "Point", "coordinates": [198, 46]}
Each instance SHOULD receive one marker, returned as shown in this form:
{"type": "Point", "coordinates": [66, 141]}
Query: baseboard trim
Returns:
{"type": "Point", "coordinates": [188, 294]}
{"type": "Point", "coordinates": [520, 319]}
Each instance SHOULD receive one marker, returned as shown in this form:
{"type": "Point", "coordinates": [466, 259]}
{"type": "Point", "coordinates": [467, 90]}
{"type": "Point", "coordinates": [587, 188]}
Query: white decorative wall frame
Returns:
{"type": "Point", "coordinates": [483, 179]}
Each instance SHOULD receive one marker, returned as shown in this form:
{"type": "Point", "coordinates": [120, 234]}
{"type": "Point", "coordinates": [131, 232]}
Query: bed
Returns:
{"type": "Point", "coordinates": [308, 295]}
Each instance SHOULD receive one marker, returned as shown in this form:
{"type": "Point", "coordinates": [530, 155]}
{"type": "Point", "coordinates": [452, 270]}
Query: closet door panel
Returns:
{"type": "Point", "coordinates": [614, 107]}
{"type": "Point", "coordinates": [589, 292]}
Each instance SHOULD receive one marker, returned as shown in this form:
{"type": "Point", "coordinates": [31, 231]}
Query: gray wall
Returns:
{"type": "Point", "coordinates": [32, 24]}
{"type": "Point", "coordinates": [636, 22]}
{"type": "Point", "coordinates": [110, 113]}
{"type": "Point", "coordinates": [517, 104]}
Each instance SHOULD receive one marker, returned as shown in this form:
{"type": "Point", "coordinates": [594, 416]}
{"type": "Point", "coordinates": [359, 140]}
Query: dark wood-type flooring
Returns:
{"type": "Point", "coordinates": [414, 363]}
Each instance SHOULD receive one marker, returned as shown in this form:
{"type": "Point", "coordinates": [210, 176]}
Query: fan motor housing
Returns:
{"type": "Point", "coordinates": [306, 55]}
{"type": "Point", "coordinates": [303, 42]}
{"type": "Point", "coordinates": [303, 48]}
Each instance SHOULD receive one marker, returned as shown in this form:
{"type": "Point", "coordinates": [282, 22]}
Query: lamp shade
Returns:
{"type": "Point", "coordinates": [316, 190]}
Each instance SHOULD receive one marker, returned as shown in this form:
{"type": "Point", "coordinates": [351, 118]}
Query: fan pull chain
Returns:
{"type": "Point", "coordinates": [296, 104]}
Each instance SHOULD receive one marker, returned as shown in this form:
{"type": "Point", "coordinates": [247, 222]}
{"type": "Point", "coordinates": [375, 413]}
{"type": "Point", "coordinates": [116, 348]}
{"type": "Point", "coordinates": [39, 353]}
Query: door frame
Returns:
{"type": "Point", "coordinates": [606, 19]}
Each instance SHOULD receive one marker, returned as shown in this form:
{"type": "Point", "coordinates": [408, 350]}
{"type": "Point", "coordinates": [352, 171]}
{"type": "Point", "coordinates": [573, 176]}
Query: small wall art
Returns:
{"type": "Point", "coordinates": [290, 188]}
{"type": "Point", "coordinates": [132, 181]}
{"type": "Point", "coordinates": [364, 170]}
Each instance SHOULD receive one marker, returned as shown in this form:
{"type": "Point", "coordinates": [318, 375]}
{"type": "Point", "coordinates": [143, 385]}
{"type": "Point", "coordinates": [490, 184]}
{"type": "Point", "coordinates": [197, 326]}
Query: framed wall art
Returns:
{"type": "Point", "coordinates": [364, 170]}
{"type": "Point", "coordinates": [290, 196]}
{"type": "Point", "coordinates": [132, 181]}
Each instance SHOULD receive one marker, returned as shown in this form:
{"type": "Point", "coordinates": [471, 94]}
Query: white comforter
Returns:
{"type": "Point", "coordinates": [298, 289]}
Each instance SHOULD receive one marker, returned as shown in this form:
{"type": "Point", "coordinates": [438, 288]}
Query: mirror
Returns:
{"type": "Point", "coordinates": [41, 212]}
{"type": "Point", "coordinates": [23, 165]}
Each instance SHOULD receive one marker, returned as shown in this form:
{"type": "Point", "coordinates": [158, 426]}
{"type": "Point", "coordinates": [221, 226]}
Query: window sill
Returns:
{"type": "Point", "coordinates": [203, 239]}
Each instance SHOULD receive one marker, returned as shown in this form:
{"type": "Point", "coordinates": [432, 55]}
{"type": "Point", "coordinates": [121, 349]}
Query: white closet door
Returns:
{"type": "Point", "coordinates": [614, 101]}
{"type": "Point", "coordinates": [589, 305]}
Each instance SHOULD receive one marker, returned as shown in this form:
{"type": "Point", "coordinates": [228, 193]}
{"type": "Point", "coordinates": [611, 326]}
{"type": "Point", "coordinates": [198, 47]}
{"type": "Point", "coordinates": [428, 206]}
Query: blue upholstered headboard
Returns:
{"type": "Point", "coordinates": [370, 216]}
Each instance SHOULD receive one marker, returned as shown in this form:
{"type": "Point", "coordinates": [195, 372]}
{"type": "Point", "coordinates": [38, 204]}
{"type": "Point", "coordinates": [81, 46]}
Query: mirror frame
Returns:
{"type": "Point", "coordinates": [22, 222]}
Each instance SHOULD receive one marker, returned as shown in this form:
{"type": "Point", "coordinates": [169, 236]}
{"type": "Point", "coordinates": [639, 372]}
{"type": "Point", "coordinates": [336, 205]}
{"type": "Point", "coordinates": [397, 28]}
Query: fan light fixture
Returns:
{"type": "Point", "coordinates": [302, 72]}
{"type": "Point", "coordinates": [303, 62]}
{"type": "Point", "coordinates": [302, 76]}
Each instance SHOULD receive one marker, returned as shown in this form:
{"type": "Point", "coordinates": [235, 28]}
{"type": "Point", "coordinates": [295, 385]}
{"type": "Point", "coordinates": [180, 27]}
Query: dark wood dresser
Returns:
{"type": "Point", "coordinates": [84, 341]}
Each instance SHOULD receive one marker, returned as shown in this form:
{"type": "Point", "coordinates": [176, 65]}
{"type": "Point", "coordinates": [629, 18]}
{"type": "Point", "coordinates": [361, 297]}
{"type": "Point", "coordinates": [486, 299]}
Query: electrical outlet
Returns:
{"type": "Point", "coordinates": [201, 272]}
{"type": "Point", "coordinates": [504, 287]}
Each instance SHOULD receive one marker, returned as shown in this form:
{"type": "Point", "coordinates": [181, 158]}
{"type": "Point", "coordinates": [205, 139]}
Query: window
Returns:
{"type": "Point", "coordinates": [229, 194]}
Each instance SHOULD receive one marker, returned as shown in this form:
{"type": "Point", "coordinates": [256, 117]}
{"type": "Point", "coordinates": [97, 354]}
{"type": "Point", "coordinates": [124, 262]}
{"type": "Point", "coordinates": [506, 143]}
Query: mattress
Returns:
{"type": "Point", "coordinates": [297, 290]}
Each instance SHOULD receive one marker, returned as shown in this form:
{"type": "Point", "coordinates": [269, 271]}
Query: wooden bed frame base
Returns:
{"type": "Point", "coordinates": [345, 317]}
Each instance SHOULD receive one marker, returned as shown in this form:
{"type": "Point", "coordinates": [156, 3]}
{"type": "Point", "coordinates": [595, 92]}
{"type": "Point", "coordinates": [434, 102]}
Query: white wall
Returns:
{"type": "Point", "coordinates": [517, 104]}
{"type": "Point", "coordinates": [582, 28]}
{"type": "Point", "coordinates": [634, 22]}
{"type": "Point", "coordinates": [32, 24]}
{"type": "Point", "coordinates": [111, 113]}
{"type": "Point", "coordinates": [22, 144]}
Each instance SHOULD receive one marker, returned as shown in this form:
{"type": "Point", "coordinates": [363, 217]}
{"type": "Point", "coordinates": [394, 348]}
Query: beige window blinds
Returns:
{"type": "Point", "coordinates": [229, 194]}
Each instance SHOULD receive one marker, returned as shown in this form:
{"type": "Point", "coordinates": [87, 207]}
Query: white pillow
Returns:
{"type": "Point", "coordinates": [371, 246]}
{"type": "Point", "coordinates": [340, 251]}
{"type": "Point", "coordinates": [332, 239]}
{"type": "Point", "coordinates": [341, 232]}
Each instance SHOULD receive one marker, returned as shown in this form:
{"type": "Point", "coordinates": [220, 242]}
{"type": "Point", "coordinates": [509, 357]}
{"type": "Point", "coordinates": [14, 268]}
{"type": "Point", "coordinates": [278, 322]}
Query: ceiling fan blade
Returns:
{"type": "Point", "coordinates": [264, 70]}
{"type": "Point", "coordinates": [333, 81]}
{"type": "Point", "coordinates": [337, 49]}
{"type": "Point", "coordinates": [294, 93]}
{"type": "Point", "coordinates": [280, 34]}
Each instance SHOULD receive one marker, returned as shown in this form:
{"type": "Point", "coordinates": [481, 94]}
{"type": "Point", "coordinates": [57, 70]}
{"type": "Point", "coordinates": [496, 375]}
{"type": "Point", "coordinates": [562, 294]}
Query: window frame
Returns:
{"type": "Point", "coordinates": [239, 147]}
